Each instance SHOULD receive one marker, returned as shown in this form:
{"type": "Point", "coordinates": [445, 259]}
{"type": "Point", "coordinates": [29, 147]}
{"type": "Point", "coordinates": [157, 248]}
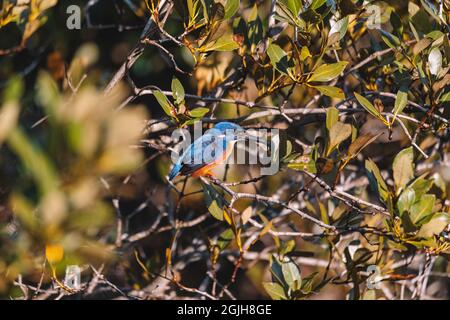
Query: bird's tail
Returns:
{"type": "Point", "coordinates": [175, 171]}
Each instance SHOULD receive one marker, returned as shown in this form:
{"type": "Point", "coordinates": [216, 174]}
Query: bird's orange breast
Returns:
{"type": "Point", "coordinates": [205, 170]}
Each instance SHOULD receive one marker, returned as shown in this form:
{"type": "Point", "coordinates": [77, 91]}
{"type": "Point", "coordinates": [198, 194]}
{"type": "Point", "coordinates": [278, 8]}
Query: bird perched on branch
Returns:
{"type": "Point", "coordinates": [208, 151]}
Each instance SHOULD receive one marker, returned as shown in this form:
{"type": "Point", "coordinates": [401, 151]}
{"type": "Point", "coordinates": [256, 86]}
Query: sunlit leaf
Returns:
{"type": "Point", "coordinates": [338, 133]}
{"type": "Point", "coordinates": [198, 112]}
{"type": "Point", "coordinates": [305, 53]}
{"type": "Point", "coordinates": [224, 43]}
{"type": "Point", "coordinates": [274, 290]}
{"type": "Point", "coordinates": [406, 200]}
{"type": "Point", "coordinates": [327, 72]}
{"type": "Point", "coordinates": [333, 92]}
{"type": "Point", "coordinates": [340, 28]}
{"type": "Point", "coordinates": [403, 168]}
{"type": "Point", "coordinates": [255, 28]}
{"type": "Point", "coordinates": [213, 202]}
{"type": "Point", "coordinates": [400, 103]}
{"type": "Point", "coordinates": [225, 239]}
{"type": "Point", "coordinates": [178, 91]}
{"type": "Point", "coordinates": [294, 6]}
{"type": "Point", "coordinates": [436, 225]}
{"type": "Point", "coordinates": [421, 186]}
{"type": "Point", "coordinates": [231, 7]}
{"type": "Point", "coordinates": [421, 210]}
{"type": "Point", "coordinates": [361, 142]}
{"type": "Point", "coordinates": [369, 107]}
{"type": "Point", "coordinates": [376, 180]}
{"type": "Point", "coordinates": [315, 4]}
{"type": "Point", "coordinates": [391, 40]}
{"type": "Point", "coordinates": [164, 102]}
{"type": "Point", "coordinates": [279, 58]}
{"type": "Point", "coordinates": [291, 274]}
{"type": "Point", "coordinates": [332, 117]}
{"type": "Point", "coordinates": [246, 215]}
{"type": "Point", "coordinates": [435, 61]}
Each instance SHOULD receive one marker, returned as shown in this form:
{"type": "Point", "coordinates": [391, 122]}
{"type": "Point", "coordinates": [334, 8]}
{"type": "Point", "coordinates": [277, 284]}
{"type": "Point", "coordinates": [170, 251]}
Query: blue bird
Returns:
{"type": "Point", "coordinates": [208, 151]}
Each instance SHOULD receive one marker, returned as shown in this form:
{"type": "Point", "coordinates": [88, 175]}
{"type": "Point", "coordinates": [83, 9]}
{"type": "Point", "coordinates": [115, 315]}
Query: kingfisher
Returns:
{"type": "Point", "coordinates": [211, 149]}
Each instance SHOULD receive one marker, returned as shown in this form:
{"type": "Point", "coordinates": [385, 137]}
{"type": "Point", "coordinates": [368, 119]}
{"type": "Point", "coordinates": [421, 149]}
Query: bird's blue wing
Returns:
{"type": "Point", "coordinates": [205, 150]}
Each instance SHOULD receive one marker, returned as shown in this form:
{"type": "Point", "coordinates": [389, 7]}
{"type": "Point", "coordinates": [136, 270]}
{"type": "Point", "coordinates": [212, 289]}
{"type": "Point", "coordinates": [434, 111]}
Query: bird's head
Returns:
{"type": "Point", "coordinates": [236, 132]}
{"type": "Point", "coordinates": [224, 126]}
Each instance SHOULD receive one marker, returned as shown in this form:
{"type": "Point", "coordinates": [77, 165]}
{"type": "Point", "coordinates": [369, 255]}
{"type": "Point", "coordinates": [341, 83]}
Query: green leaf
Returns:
{"type": "Point", "coordinates": [278, 58]}
{"type": "Point", "coordinates": [435, 226]}
{"type": "Point", "coordinates": [332, 117]}
{"type": "Point", "coordinates": [391, 40]}
{"type": "Point", "coordinates": [403, 168]}
{"type": "Point", "coordinates": [338, 133]}
{"type": "Point", "coordinates": [327, 72]}
{"type": "Point", "coordinates": [435, 61]}
{"type": "Point", "coordinates": [439, 182]}
{"type": "Point", "coordinates": [307, 283]}
{"type": "Point", "coordinates": [198, 112]}
{"type": "Point", "coordinates": [178, 91]}
{"type": "Point", "coordinates": [421, 186]}
{"type": "Point", "coordinates": [224, 43]}
{"type": "Point", "coordinates": [323, 212]}
{"type": "Point", "coordinates": [431, 10]}
{"type": "Point", "coordinates": [225, 239]}
{"type": "Point", "coordinates": [400, 103]}
{"type": "Point", "coordinates": [304, 53]}
{"type": "Point", "coordinates": [360, 143]}
{"type": "Point", "coordinates": [274, 290]}
{"type": "Point", "coordinates": [14, 89]}
{"type": "Point", "coordinates": [286, 247]}
{"type": "Point", "coordinates": [255, 29]}
{"type": "Point", "coordinates": [35, 160]}
{"type": "Point", "coordinates": [406, 200]}
{"type": "Point", "coordinates": [291, 274]}
{"type": "Point", "coordinates": [333, 92]}
{"type": "Point", "coordinates": [421, 210]}
{"type": "Point", "coordinates": [294, 6]}
{"type": "Point", "coordinates": [311, 16]}
{"type": "Point", "coordinates": [191, 9]}
{"type": "Point", "coordinates": [369, 106]}
{"type": "Point", "coordinates": [396, 23]}
{"type": "Point", "coordinates": [317, 4]}
{"type": "Point", "coordinates": [231, 7]}
{"type": "Point", "coordinates": [339, 28]}
{"type": "Point", "coordinates": [168, 108]}
{"type": "Point", "coordinates": [284, 13]}
{"type": "Point", "coordinates": [213, 201]}
{"type": "Point", "coordinates": [276, 270]}
{"type": "Point", "coordinates": [445, 97]}
{"type": "Point", "coordinates": [287, 152]}
{"type": "Point", "coordinates": [376, 180]}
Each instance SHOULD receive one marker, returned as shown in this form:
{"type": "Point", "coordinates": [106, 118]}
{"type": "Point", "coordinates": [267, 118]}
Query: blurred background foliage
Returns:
{"type": "Point", "coordinates": [82, 170]}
